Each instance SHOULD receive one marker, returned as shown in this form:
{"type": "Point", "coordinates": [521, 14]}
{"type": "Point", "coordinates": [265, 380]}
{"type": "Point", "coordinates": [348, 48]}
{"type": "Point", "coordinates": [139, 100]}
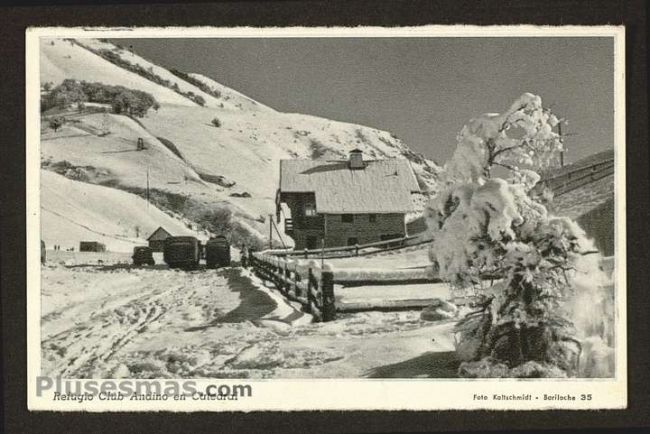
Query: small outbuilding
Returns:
{"type": "Point", "coordinates": [157, 239]}
{"type": "Point", "coordinates": [91, 246]}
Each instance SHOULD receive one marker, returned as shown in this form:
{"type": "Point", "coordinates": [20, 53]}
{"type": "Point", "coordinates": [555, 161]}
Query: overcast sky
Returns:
{"type": "Point", "coordinates": [421, 89]}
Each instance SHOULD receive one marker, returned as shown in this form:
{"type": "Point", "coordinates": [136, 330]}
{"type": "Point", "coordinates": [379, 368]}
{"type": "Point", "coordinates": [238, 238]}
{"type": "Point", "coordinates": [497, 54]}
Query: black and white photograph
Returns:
{"type": "Point", "coordinates": [365, 209]}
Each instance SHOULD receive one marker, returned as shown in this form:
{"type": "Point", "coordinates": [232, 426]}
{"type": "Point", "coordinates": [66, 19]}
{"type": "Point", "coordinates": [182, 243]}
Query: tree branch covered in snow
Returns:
{"type": "Point", "coordinates": [482, 225]}
{"type": "Point", "coordinates": [522, 135]}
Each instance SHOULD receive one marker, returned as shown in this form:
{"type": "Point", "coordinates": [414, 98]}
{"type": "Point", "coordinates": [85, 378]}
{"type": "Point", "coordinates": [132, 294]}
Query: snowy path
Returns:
{"type": "Point", "coordinates": [115, 321]}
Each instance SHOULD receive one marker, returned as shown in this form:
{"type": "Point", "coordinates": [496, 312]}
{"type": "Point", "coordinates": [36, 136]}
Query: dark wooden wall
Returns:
{"type": "Point", "coordinates": [338, 232]}
{"type": "Point", "coordinates": [599, 225]}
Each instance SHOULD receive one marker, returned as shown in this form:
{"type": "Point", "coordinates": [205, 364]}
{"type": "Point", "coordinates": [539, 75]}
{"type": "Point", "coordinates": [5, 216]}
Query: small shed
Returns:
{"type": "Point", "coordinates": [157, 239]}
{"type": "Point", "coordinates": [91, 246]}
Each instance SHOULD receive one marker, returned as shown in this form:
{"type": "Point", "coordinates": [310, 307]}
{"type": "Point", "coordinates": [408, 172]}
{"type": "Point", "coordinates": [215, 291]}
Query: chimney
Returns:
{"type": "Point", "coordinates": [356, 159]}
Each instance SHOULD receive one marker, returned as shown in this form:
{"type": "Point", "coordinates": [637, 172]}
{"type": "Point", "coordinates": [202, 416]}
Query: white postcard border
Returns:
{"type": "Point", "coordinates": [341, 394]}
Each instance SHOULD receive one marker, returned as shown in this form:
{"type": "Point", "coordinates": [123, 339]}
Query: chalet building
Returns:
{"type": "Point", "coordinates": [157, 239]}
{"type": "Point", "coordinates": [346, 202]}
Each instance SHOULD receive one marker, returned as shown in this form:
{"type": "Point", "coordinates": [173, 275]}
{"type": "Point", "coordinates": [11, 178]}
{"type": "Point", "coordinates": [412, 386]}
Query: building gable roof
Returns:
{"type": "Point", "coordinates": [382, 186]}
{"type": "Point", "coordinates": [159, 234]}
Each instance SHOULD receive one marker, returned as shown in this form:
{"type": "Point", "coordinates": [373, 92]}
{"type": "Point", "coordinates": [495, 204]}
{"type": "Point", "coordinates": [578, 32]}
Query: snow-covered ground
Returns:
{"type": "Point", "coordinates": [113, 320]}
{"type": "Point", "coordinates": [74, 211]}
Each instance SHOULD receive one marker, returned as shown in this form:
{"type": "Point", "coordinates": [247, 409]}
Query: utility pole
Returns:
{"type": "Point", "coordinates": [270, 231]}
{"type": "Point", "coordinates": [147, 188]}
{"type": "Point", "coordinates": [559, 131]}
{"type": "Point", "coordinates": [104, 125]}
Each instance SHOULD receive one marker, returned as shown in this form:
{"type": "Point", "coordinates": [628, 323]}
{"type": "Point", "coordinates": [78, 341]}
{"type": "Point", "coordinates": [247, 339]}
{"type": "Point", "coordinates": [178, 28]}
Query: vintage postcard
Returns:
{"type": "Point", "coordinates": [241, 219]}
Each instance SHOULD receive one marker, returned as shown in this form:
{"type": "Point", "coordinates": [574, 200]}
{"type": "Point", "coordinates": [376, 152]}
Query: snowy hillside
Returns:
{"type": "Point", "coordinates": [259, 139]}
{"type": "Point", "coordinates": [235, 98]}
{"type": "Point", "coordinates": [108, 142]}
{"type": "Point", "coordinates": [61, 59]}
{"type": "Point", "coordinates": [220, 152]}
{"type": "Point", "coordinates": [76, 211]}
{"type": "Point", "coordinates": [101, 148]}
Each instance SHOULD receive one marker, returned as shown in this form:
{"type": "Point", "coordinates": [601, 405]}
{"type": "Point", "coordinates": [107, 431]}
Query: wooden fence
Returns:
{"type": "Point", "coordinates": [379, 276]}
{"type": "Point", "coordinates": [311, 285]}
{"type": "Point", "coordinates": [354, 250]}
{"type": "Point", "coordinates": [578, 177]}
{"type": "Point", "coordinates": [351, 277]}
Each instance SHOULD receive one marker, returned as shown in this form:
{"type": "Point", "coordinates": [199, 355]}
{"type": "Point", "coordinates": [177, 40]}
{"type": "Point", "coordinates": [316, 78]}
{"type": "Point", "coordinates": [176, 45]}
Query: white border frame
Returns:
{"type": "Point", "coordinates": [340, 394]}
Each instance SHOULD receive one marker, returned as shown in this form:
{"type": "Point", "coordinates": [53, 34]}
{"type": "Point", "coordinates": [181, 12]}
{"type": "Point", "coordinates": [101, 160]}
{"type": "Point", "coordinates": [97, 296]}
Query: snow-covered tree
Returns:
{"type": "Point", "coordinates": [488, 227]}
{"type": "Point", "coordinates": [56, 123]}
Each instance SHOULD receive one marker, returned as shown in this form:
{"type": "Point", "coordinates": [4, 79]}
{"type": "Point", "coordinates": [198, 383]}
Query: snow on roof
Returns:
{"type": "Point", "coordinates": [382, 186]}
{"type": "Point", "coordinates": [158, 233]}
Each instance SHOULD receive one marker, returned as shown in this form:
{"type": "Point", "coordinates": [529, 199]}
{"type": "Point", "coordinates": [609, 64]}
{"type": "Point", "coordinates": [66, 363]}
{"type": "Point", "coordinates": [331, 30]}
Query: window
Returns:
{"type": "Point", "coordinates": [352, 241]}
{"type": "Point", "coordinates": [372, 218]}
{"type": "Point", "coordinates": [347, 218]}
{"type": "Point", "coordinates": [310, 209]}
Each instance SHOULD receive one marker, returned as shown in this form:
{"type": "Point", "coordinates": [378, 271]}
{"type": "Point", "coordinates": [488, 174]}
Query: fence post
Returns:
{"type": "Point", "coordinates": [287, 276]}
{"type": "Point", "coordinates": [356, 249]}
{"type": "Point", "coordinates": [243, 259]}
{"type": "Point", "coordinates": [306, 254]}
{"type": "Point", "coordinates": [292, 276]}
{"type": "Point", "coordinates": [273, 270]}
{"type": "Point", "coordinates": [310, 297]}
{"type": "Point", "coordinates": [279, 270]}
{"type": "Point", "coordinates": [297, 277]}
{"type": "Point", "coordinates": [327, 291]}
{"type": "Point", "coordinates": [315, 305]}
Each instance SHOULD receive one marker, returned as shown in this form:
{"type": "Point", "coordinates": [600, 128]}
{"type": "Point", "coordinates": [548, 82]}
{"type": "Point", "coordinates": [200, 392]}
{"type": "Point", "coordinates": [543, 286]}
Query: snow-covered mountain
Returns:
{"type": "Point", "coordinates": [207, 147]}
{"type": "Point", "coordinates": [73, 211]}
